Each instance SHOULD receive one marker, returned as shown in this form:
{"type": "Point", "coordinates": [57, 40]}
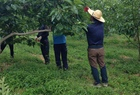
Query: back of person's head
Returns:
{"type": "Point", "coordinates": [95, 20]}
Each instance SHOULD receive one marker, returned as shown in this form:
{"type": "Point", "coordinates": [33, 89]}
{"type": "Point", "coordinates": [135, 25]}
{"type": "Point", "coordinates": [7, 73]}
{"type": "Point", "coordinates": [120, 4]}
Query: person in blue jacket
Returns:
{"type": "Point", "coordinates": [95, 38]}
{"type": "Point", "coordinates": [60, 51]}
{"type": "Point", "coordinates": [44, 43]}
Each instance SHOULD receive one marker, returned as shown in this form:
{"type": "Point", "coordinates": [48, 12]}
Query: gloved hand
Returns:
{"type": "Point", "coordinates": [86, 9]}
{"type": "Point", "coordinates": [36, 39]}
{"type": "Point", "coordinates": [39, 38]}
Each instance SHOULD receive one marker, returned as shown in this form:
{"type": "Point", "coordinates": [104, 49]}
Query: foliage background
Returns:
{"type": "Point", "coordinates": [68, 17]}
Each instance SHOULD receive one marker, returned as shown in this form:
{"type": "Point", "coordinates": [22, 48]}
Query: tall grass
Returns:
{"type": "Point", "coordinates": [27, 74]}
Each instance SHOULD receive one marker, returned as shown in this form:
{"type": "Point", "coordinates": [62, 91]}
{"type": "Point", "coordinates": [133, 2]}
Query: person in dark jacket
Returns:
{"type": "Point", "coordinates": [95, 38]}
{"type": "Point", "coordinates": [9, 42]}
{"type": "Point", "coordinates": [11, 46]}
{"type": "Point", "coordinates": [44, 43]}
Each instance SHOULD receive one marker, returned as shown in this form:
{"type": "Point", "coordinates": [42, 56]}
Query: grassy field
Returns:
{"type": "Point", "coordinates": [26, 74]}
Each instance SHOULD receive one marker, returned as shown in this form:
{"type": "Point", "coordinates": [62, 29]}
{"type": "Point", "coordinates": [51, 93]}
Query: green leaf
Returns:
{"type": "Point", "coordinates": [74, 10]}
{"type": "Point", "coordinates": [59, 26]}
{"type": "Point", "coordinates": [78, 2]}
{"type": "Point", "coordinates": [8, 7]}
{"type": "Point", "coordinates": [53, 17]}
{"type": "Point", "coordinates": [69, 1]}
{"type": "Point", "coordinates": [52, 12]}
{"type": "Point", "coordinates": [14, 6]}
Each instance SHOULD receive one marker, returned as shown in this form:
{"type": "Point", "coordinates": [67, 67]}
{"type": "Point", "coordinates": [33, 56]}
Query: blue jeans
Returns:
{"type": "Point", "coordinates": [96, 76]}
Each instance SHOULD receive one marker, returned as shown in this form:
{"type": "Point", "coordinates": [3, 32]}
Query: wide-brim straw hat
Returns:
{"type": "Point", "coordinates": [97, 14]}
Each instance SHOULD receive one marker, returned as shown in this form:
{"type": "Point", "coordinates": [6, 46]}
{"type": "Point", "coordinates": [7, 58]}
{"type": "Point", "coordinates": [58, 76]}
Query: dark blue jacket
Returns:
{"type": "Point", "coordinates": [95, 33]}
{"type": "Point", "coordinates": [43, 34]}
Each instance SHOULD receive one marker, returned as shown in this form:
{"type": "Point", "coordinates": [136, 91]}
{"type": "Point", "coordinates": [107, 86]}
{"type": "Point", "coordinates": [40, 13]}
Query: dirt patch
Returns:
{"type": "Point", "coordinates": [114, 60]}
{"type": "Point", "coordinates": [4, 66]}
{"type": "Point", "coordinates": [138, 75]}
{"type": "Point", "coordinates": [39, 56]}
{"type": "Point", "coordinates": [125, 57]}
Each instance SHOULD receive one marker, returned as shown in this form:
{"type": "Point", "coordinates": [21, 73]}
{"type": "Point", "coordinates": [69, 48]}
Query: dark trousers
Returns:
{"type": "Point", "coordinates": [96, 57]}
{"type": "Point", "coordinates": [45, 51]}
{"type": "Point", "coordinates": [11, 46]}
{"type": "Point", "coordinates": [60, 51]}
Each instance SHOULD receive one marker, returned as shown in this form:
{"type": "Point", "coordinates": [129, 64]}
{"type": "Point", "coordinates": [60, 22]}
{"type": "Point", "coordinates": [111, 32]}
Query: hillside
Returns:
{"type": "Point", "coordinates": [26, 74]}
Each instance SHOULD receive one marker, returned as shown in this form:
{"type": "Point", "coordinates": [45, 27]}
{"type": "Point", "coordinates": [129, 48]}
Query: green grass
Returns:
{"type": "Point", "coordinates": [26, 74]}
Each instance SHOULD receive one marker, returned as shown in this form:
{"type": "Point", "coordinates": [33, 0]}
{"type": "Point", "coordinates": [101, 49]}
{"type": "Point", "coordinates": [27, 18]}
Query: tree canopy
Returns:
{"type": "Point", "coordinates": [68, 16]}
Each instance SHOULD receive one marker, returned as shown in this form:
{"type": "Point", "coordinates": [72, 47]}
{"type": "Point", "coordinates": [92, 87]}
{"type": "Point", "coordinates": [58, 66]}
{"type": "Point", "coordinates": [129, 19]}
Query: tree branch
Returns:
{"type": "Point", "coordinates": [21, 34]}
{"type": "Point", "coordinates": [130, 40]}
